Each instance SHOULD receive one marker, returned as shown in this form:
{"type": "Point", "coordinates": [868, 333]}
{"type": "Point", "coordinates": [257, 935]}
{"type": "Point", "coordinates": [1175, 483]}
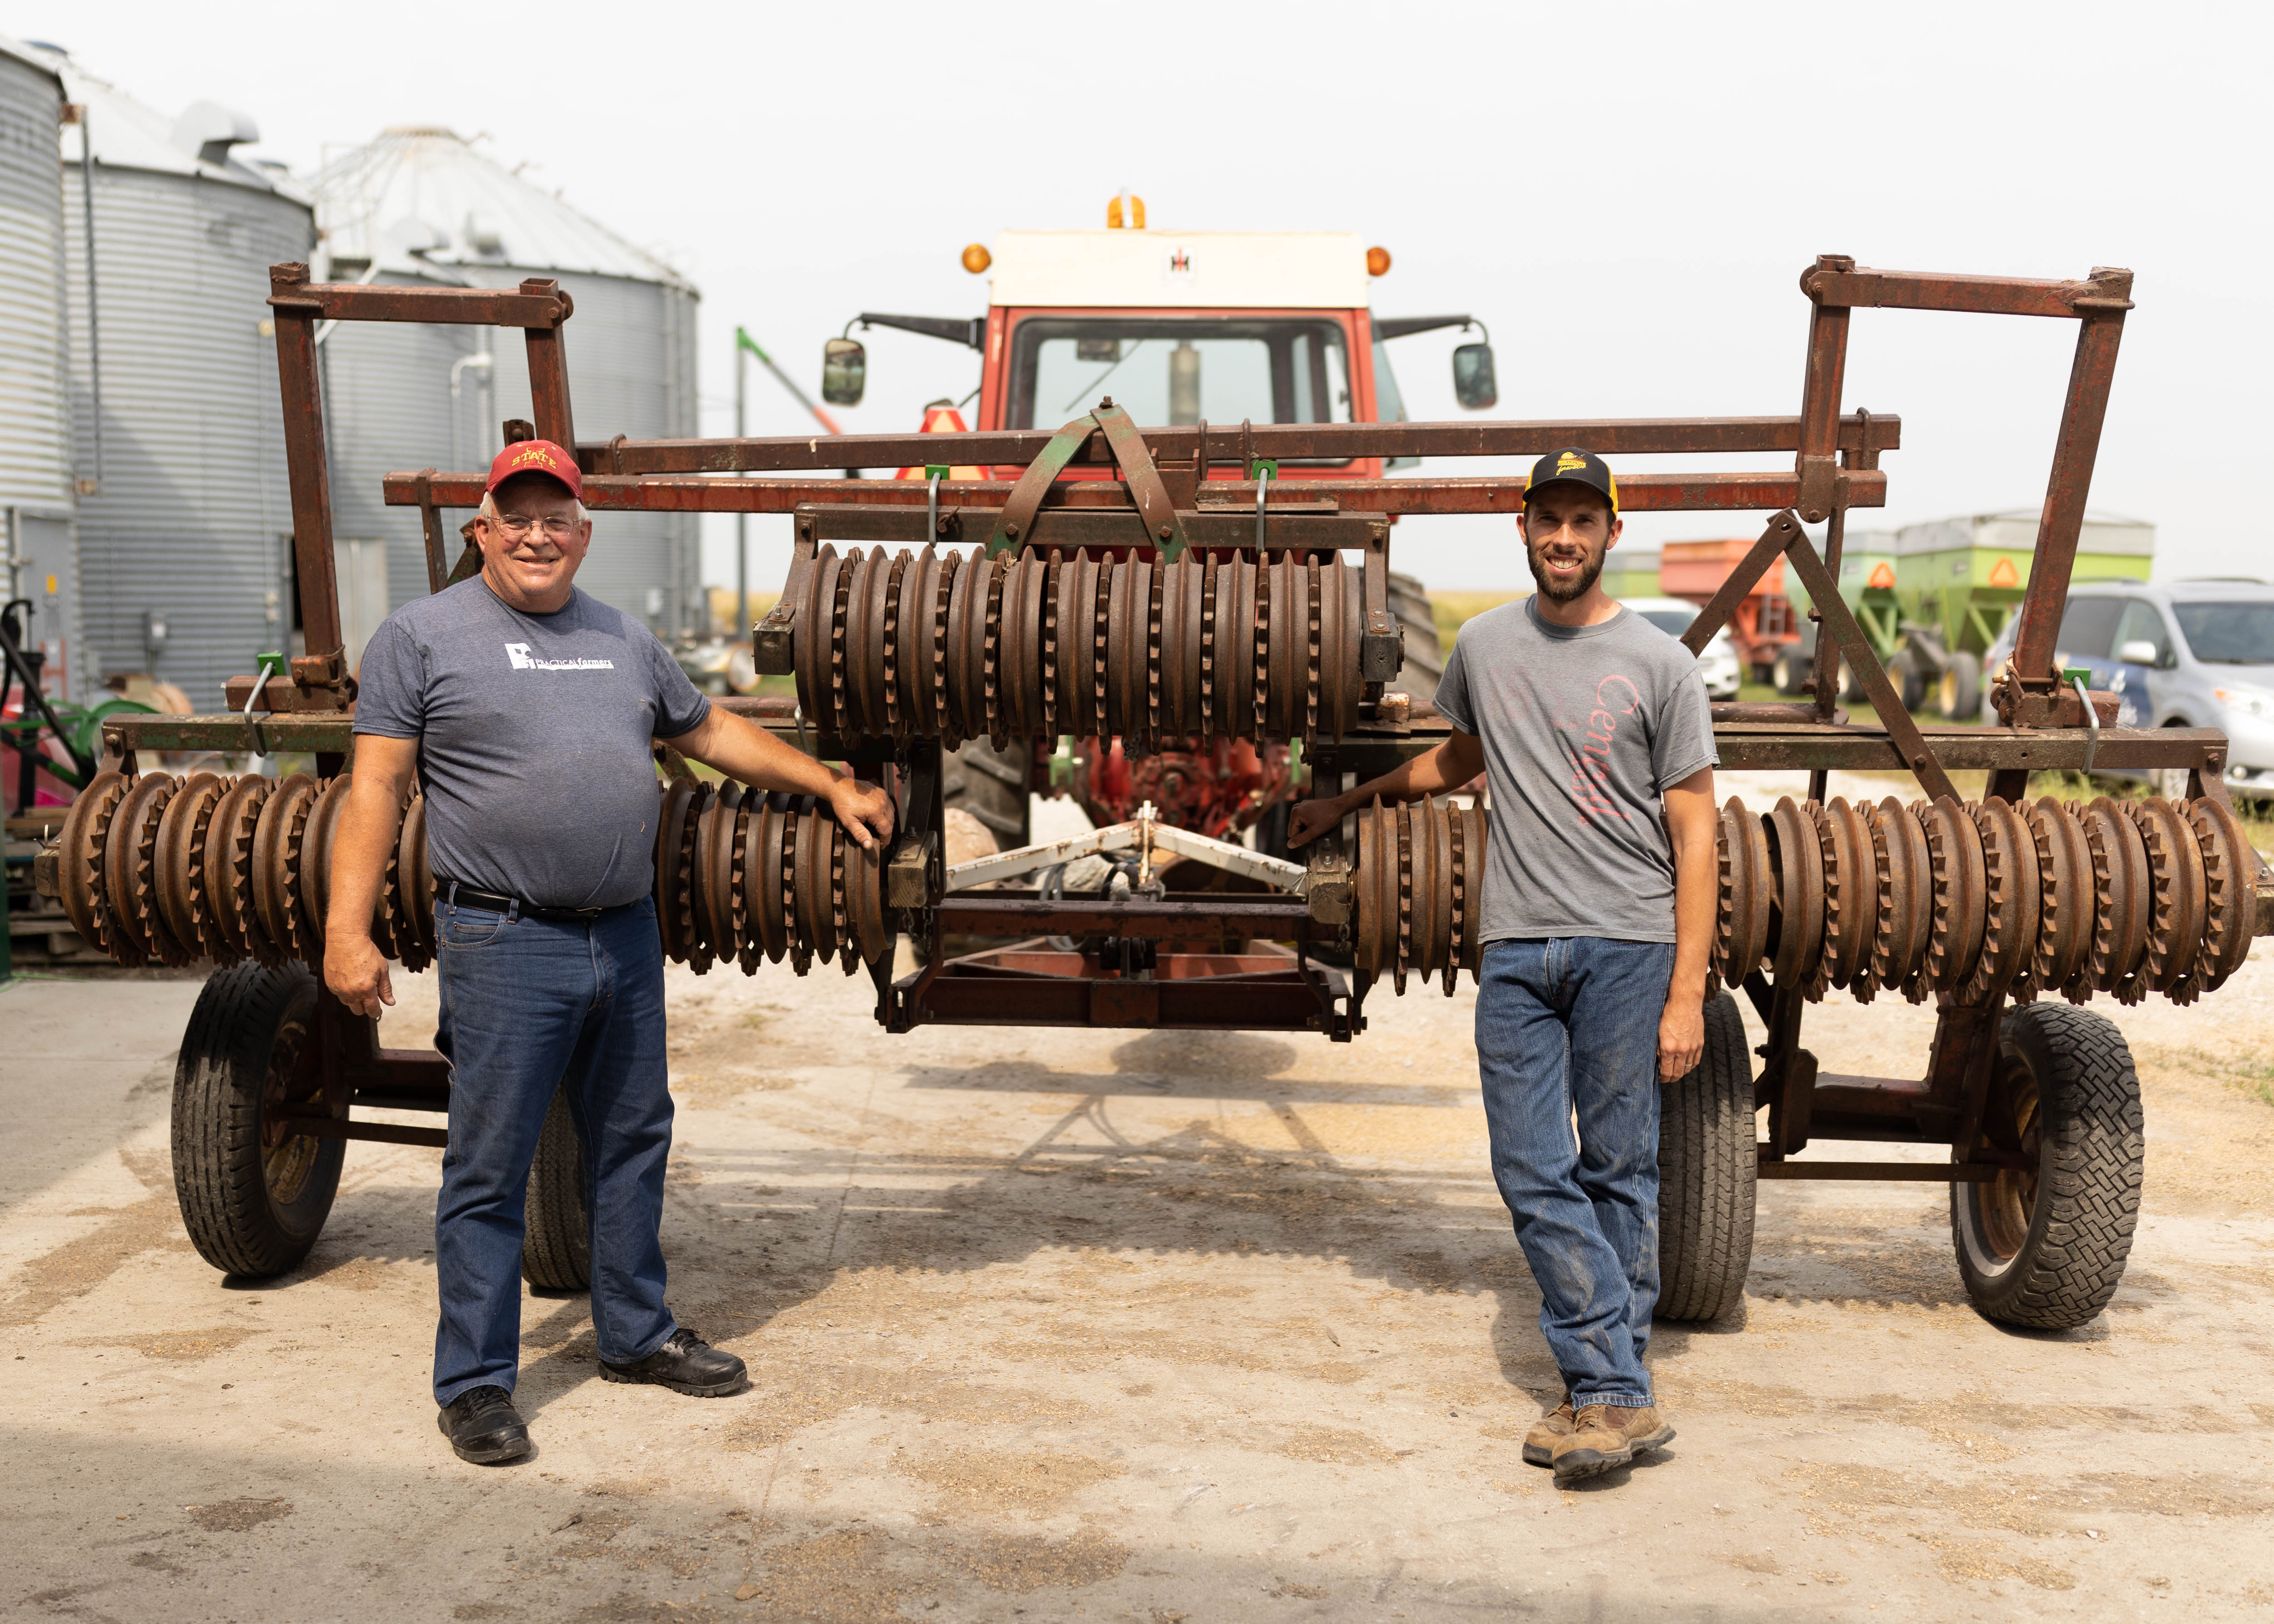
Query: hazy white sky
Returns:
{"type": "Point", "coordinates": [1626, 194]}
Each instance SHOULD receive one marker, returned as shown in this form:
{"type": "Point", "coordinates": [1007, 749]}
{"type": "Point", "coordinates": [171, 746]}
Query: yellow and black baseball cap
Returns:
{"type": "Point", "coordinates": [1579, 467]}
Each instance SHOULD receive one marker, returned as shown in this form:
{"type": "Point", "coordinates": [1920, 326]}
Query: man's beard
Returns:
{"type": "Point", "coordinates": [1589, 572]}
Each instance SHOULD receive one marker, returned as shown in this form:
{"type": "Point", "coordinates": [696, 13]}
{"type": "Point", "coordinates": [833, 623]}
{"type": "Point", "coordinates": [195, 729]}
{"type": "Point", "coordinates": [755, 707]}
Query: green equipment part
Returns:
{"type": "Point", "coordinates": [1631, 572]}
{"type": "Point", "coordinates": [1962, 579]}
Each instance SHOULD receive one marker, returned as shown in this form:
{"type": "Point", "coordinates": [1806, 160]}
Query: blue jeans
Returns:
{"type": "Point", "coordinates": [1569, 1026]}
{"type": "Point", "coordinates": [531, 1007]}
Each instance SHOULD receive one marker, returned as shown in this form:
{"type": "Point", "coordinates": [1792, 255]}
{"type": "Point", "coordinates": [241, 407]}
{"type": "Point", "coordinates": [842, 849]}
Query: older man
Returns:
{"type": "Point", "coordinates": [525, 708]}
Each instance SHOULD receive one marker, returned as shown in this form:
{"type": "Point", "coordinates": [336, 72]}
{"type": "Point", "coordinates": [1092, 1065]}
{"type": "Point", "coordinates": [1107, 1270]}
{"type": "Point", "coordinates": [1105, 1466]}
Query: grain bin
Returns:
{"type": "Point", "coordinates": [35, 476]}
{"type": "Point", "coordinates": [176, 439]}
{"type": "Point", "coordinates": [421, 202]}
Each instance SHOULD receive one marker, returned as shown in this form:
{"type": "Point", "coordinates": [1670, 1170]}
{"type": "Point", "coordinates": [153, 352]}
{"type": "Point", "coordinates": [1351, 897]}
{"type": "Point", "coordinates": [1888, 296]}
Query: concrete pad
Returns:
{"type": "Point", "coordinates": [1118, 1325]}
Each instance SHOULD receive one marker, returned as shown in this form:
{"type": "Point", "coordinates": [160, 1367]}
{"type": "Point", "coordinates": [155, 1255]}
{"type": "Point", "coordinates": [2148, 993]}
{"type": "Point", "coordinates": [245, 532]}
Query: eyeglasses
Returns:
{"type": "Point", "coordinates": [517, 525]}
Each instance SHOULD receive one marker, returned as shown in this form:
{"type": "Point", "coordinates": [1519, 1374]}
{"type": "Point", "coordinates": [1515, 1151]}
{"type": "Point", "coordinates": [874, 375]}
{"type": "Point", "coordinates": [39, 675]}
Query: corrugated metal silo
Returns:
{"type": "Point", "coordinates": [631, 342]}
{"type": "Point", "coordinates": [36, 478]}
{"type": "Point", "coordinates": [184, 514]}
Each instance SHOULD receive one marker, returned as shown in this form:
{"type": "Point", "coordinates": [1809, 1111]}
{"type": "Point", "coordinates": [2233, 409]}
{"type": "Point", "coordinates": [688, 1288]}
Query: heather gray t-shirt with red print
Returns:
{"type": "Point", "coordinates": [1584, 727]}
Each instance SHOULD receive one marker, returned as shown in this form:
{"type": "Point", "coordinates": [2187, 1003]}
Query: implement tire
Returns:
{"type": "Point", "coordinates": [250, 1207]}
{"type": "Point", "coordinates": [991, 785]}
{"type": "Point", "coordinates": [2044, 1246]}
{"type": "Point", "coordinates": [556, 1237]}
{"type": "Point", "coordinates": [1707, 1173]}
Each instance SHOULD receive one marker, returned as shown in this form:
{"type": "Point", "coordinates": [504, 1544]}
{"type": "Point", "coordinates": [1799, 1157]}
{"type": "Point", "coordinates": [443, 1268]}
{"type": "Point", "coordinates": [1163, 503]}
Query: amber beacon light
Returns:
{"type": "Point", "coordinates": [976, 258]}
{"type": "Point", "coordinates": [1377, 262]}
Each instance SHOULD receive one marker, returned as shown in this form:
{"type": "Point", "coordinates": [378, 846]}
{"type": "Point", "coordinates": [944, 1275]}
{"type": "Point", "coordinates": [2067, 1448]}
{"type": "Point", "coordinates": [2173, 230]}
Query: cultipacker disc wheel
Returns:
{"type": "Point", "coordinates": [2176, 914]}
{"type": "Point", "coordinates": [2044, 1243]}
{"type": "Point", "coordinates": [228, 866]}
{"type": "Point", "coordinates": [1741, 934]}
{"type": "Point", "coordinates": [2064, 893]}
{"type": "Point", "coordinates": [276, 845]}
{"type": "Point", "coordinates": [180, 866]}
{"type": "Point", "coordinates": [1960, 894]}
{"type": "Point", "coordinates": [86, 845]}
{"type": "Point", "coordinates": [2229, 867]}
{"type": "Point", "coordinates": [1796, 931]}
{"type": "Point", "coordinates": [2122, 892]}
{"type": "Point", "coordinates": [1706, 1174]}
{"type": "Point", "coordinates": [130, 872]}
{"type": "Point", "coordinates": [253, 1194]}
{"type": "Point", "coordinates": [2010, 900]}
{"type": "Point", "coordinates": [1907, 892]}
{"type": "Point", "coordinates": [674, 902]}
{"type": "Point", "coordinates": [556, 1241]}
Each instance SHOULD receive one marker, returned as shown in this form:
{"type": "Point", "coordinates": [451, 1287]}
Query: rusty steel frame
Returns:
{"type": "Point", "coordinates": [1835, 468]}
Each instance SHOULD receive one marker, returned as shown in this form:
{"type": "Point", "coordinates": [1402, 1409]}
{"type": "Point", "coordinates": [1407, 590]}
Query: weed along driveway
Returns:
{"type": "Point", "coordinates": [1150, 1325]}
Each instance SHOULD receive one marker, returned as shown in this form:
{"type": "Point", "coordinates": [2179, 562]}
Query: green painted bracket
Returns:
{"type": "Point", "coordinates": [1026, 495]}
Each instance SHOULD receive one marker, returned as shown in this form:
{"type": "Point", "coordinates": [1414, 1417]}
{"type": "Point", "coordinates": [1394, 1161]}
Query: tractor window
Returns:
{"type": "Point", "coordinates": [1174, 370]}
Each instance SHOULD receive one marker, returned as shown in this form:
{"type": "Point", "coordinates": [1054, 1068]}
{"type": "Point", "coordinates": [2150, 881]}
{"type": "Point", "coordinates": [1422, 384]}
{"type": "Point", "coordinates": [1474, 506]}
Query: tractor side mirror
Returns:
{"type": "Point", "coordinates": [1474, 385]}
{"type": "Point", "coordinates": [844, 371]}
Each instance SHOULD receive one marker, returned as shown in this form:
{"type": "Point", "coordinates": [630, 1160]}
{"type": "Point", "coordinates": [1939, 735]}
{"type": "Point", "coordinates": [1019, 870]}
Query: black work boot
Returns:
{"type": "Point", "coordinates": [685, 1363]}
{"type": "Point", "coordinates": [484, 1428]}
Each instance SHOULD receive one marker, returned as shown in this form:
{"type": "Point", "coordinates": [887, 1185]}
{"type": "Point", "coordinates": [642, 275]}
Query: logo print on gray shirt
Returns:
{"type": "Point", "coordinates": [523, 660]}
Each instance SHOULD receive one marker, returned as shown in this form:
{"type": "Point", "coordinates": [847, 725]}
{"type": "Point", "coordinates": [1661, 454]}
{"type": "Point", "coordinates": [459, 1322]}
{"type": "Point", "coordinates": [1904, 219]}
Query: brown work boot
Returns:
{"type": "Point", "coordinates": [1603, 1436]}
{"type": "Point", "coordinates": [1550, 1430]}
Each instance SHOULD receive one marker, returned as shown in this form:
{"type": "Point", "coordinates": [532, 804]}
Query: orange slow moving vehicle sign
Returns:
{"type": "Point", "coordinates": [943, 420]}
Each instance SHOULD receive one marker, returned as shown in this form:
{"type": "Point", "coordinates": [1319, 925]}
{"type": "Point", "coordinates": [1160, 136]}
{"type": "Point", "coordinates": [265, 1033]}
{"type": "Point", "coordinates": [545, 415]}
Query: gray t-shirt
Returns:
{"type": "Point", "coordinates": [533, 735]}
{"type": "Point", "coordinates": [1583, 728]}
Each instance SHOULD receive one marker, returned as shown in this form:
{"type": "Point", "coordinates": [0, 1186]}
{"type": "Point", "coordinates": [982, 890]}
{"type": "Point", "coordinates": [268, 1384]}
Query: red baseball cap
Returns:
{"type": "Point", "coordinates": [535, 457]}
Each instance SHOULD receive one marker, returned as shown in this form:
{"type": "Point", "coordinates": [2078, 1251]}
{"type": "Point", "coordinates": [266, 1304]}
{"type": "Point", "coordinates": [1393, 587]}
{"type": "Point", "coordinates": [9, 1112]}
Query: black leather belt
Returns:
{"type": "Point", "coordinates": [449, 893]}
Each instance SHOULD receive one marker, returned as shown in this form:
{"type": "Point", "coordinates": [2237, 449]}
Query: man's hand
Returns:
{"type": "Point", "coordinates": [1310, 819]}
{"type": "Point", "coordinates": [862, 808]}
{"type": "Point", "coordinates": [355, 972]}
{"type": "Point", "coordinates": [1681, 1036]}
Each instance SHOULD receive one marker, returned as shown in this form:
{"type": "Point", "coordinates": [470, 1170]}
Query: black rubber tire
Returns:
{"type": "Point", "coordinates": [556, 1237]}
{"type": "Point", "coordinates": [248, 1211]}
{"type": "Point", "coordinates": [2091, 1148]}
{"type": "Point", "coordinates": [1958, 693]}
{"type": "Point", "coordinates": [1910, 682]}
{"type": "Point", "coordinates": [1425, 656]}
{"type": "Point", "coordinates": [1792, 669]}
{"type": "Point", "coordinates": [1707, 1173]}
{"type": "Point", "coordinates": [992, 785]}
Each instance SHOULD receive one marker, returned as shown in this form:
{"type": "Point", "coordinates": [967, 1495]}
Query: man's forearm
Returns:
{"type": "Point", "coordinates": [1692, 833]}
{"type": "Point", "coordinates": [1445, 768]}
{"type": "Point", "coordinates": [367, 829]}
{"type": "Point", "coordinates": [742, 749]}
{"type": "Point", "coordinates": [1696, 897]}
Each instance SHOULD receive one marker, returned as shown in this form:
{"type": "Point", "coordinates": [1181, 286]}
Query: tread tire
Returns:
{"type": "Point", "coordinates": [991, 785]}
{"type": "Point", "coordinates": [1708, 1175]}
{"type": "Point", "coordinates": [2091, 1153]}
{"type": "Point", "coordinates": [244, 1017]}
{"type": "Point", "coordinates": [556, 1237]}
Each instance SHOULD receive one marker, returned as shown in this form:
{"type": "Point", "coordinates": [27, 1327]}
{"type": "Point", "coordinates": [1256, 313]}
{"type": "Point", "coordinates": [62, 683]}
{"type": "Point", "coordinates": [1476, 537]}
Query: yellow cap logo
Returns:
{"type": "Point", "coordinates": [1570, 462]}
{"type": "Point", "coordinates": [538, 454]}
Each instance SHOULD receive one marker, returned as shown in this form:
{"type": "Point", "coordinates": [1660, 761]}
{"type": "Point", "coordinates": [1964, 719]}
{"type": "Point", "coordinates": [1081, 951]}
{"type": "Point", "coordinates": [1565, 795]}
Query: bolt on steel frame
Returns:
{"type": "Point", "coordinates": [1208, 962]}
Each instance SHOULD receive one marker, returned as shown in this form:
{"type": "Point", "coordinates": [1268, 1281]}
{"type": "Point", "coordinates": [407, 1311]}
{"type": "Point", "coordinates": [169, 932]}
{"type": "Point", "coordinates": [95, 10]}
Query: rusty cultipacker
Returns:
{"type": "Point", "coordinates": [1173, 605]}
